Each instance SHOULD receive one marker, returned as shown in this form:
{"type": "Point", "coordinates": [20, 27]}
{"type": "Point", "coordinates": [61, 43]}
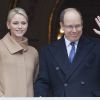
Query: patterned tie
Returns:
{"type": "Point", "coordinates": [72, 52]}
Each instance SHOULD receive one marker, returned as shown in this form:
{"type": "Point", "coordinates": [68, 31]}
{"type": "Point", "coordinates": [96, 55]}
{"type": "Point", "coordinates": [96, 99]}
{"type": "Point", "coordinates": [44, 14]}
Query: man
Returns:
{"type": "Point", "coordinates": [70, 66]}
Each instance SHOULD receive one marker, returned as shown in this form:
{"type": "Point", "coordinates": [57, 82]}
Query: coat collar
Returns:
{"type": "Point", "coordinates": [13, 46]}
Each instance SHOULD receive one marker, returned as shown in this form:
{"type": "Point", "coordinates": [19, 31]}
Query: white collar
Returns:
{"type": "Point", "coordinates": [67, 42]}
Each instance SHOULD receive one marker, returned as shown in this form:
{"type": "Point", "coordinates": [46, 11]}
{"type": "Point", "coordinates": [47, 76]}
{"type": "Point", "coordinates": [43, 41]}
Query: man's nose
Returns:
{"type": "Point", "coordinates": [74, 29]}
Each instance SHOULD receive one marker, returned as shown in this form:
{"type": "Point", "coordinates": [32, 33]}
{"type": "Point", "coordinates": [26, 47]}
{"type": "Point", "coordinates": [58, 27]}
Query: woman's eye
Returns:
{"type": "Point", "coordinates": [15, 23]}
{"type": "Point", "coordinates": [23, 23]}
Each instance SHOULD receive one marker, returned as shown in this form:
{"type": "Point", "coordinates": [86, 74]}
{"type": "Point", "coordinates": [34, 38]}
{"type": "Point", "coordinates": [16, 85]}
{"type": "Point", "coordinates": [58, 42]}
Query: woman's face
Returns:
{"type": "Point", "coordinates": [18, 26]}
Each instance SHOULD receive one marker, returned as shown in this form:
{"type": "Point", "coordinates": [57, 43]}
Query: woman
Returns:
{"type": "Point", "coordinates": [18, 61]}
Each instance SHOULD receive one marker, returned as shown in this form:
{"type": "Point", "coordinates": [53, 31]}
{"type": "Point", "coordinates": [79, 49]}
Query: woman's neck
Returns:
{"type": "Point", "coordinates": [18, 39]}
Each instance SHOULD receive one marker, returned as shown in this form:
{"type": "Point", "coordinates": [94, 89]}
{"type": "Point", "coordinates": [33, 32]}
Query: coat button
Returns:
{"type": "Point", "coordinates": [57, 68]}
{"type": "Point", "coordinates": [65, 84]}
{"type": "Point", "coordinates": [82, 83]}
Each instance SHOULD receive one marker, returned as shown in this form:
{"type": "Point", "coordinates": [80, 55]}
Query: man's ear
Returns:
{"type": "Point", "coordinates": [61, 27]}
{"type": "Point", "coordinates": [60, 24]}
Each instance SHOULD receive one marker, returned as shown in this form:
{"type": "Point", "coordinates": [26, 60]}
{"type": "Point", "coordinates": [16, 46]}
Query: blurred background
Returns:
{"type": "Point", "coordinates": [44, 18]}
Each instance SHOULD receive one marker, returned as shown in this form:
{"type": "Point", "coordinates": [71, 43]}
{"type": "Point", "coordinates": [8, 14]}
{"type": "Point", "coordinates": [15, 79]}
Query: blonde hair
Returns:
{"type": "Point", "coordinates": [15, 11]}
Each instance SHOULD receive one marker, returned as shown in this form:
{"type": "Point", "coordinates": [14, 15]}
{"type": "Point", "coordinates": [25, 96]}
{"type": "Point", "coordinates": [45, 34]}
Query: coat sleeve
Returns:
{"type": "Point", "coordinates": [36, 65]}
{"type": "Point", "coordinates": [42, 83]}
{"type": "Point", "coordinates": [2, 94]}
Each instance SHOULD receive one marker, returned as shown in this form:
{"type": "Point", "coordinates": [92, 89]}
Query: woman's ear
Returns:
{"type": "Point", "coordinates": [8, 25]}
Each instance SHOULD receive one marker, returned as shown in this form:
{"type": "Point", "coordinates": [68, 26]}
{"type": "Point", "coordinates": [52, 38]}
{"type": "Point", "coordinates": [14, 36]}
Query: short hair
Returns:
{"type": "Point", "coordinates": [68, 10]}
{"type": "Point", "coordinates": [15, 11]}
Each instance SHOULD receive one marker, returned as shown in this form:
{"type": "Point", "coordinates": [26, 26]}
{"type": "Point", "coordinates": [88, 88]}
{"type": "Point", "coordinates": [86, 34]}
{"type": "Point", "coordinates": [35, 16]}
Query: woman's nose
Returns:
{"type": "Point", "coordinates": [19, 26]}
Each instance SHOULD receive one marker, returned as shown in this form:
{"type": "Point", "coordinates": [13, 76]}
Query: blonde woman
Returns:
{"type": "Point", "coordinates": [18, 60]}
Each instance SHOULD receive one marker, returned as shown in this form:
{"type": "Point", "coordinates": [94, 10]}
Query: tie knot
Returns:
{"type": "Point", "coordinates": [72, 43]}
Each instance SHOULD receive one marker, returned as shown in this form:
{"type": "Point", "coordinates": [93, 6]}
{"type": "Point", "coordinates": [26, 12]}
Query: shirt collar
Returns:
{"type": "Point", "coordinates": [14, 46]}
{"type": "Point", "coordinates": [67, 42]}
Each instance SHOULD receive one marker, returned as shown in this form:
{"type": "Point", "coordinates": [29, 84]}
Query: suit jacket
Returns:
{"type": "Point", "coordinates": [57, 74]}
{"type": "Point", "coordinates": [18, 65]}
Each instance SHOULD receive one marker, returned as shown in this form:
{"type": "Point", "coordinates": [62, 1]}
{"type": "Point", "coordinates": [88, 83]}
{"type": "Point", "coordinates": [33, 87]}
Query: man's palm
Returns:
{"type": "Point", "coordinates": [97, 19]}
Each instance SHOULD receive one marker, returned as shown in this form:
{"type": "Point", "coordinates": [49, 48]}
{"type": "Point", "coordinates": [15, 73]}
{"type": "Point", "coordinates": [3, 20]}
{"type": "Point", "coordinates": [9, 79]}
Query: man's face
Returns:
{"type": "Point", "coordinates": [72, 26]}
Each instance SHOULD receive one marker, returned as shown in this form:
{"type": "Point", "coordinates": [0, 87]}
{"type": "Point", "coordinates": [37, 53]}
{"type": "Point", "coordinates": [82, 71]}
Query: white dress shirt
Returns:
{"type": "Point", "coordinates": [68, 46]}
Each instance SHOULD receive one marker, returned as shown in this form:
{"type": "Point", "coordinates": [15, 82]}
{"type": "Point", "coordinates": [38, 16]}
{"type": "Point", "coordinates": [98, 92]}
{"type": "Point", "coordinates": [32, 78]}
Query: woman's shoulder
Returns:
{"type": "Point", "coordinates": [33, 49]}
{"type": "Point", "coordinates": [1, 43]}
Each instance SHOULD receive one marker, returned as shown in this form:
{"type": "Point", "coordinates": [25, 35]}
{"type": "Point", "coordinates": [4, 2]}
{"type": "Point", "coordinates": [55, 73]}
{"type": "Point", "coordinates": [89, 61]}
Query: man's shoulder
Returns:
{"type": "Point", "coordinates": [51, 46]}
{"type": "Point", "coordinates": [91, 38]}
{"type": "Point", "coordinates": [54, 44]}
{"type": "Point", "coordinates": [94, 39]}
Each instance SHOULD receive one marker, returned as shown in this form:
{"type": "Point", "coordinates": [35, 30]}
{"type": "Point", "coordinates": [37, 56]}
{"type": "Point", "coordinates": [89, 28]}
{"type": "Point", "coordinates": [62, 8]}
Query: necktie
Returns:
{"type": "Point", "coordinates": [72, 52]}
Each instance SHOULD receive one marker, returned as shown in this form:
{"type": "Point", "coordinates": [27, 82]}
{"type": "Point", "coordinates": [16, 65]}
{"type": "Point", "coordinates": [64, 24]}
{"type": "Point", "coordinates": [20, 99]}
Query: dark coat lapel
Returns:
{"type": "Point", "coordinates": [84, 48]}
{"type": "Point", "coordinates": [58, 50]}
